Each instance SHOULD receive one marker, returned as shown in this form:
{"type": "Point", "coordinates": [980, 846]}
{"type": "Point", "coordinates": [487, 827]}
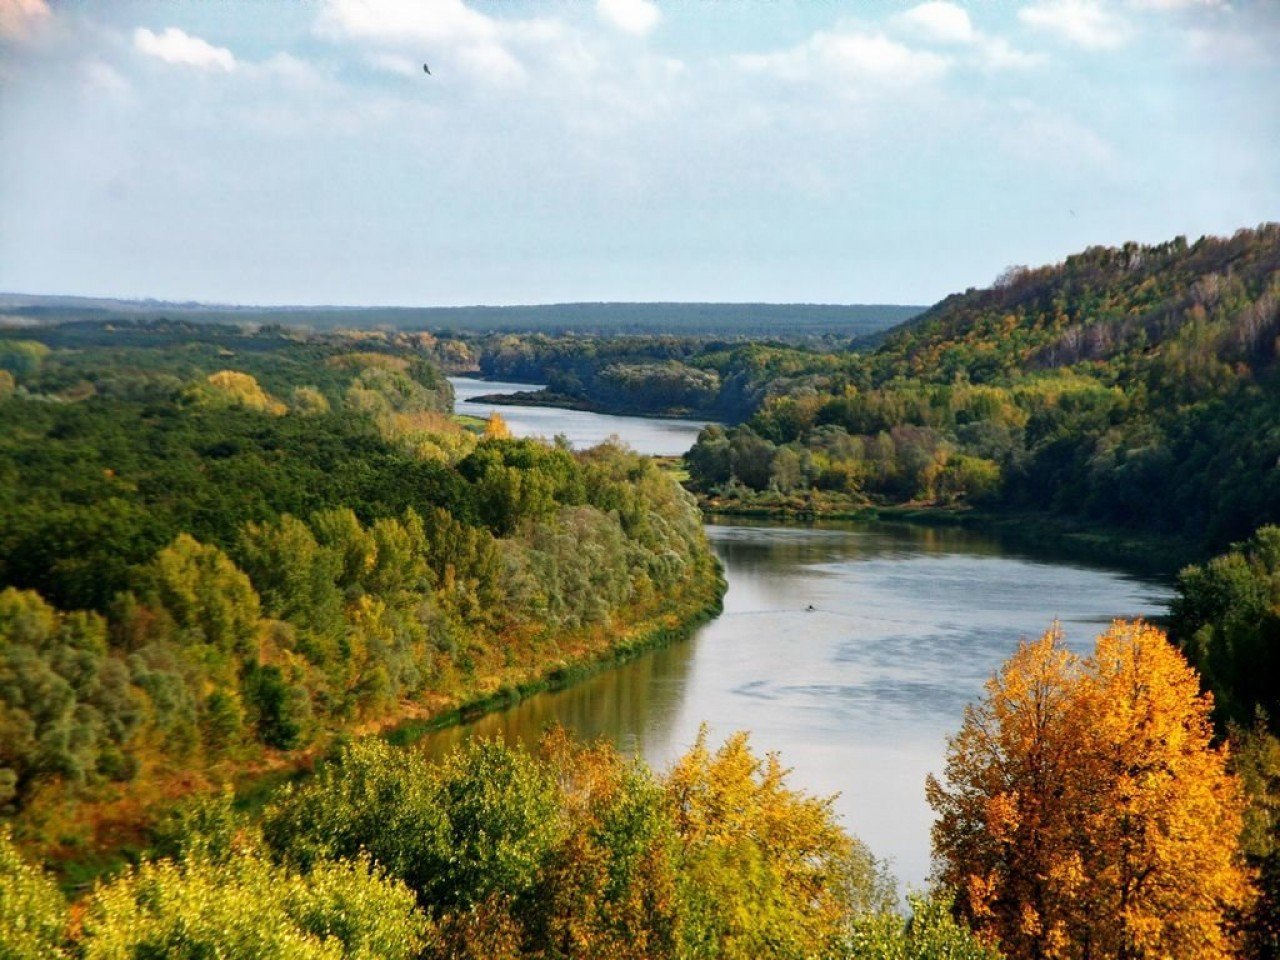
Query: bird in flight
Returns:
{"type": "Point", "coordinates": [426, 70]}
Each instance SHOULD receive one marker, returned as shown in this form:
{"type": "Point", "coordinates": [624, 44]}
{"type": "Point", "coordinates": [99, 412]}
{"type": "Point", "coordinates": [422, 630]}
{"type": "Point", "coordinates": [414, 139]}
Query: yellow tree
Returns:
{"type": "Point", "coordinates": [495, 428]}
{"type": "Point", "coordinates": [1166, 816]}
{"type": "Point", "coordinates": [766, 870]}
{"type": "Point", "coordinates": [1004, 834]}
{"type": "Point", "coordinates": [1086, 812]}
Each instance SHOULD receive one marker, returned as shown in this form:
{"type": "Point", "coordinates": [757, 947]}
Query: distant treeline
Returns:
{"type": "Point", "coordinates": [778, 320]}
{"type": "Point", "coordinates": [714, 378]}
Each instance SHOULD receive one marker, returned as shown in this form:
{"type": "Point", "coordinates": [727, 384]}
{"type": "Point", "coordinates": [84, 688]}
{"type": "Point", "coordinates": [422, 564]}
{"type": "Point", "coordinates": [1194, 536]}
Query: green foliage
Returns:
{"type": "Point", "coordinates": [256, 578]}
{"type": "Point", "coordinates": [577, 852]}
{"type": "Point", "coordinates": [1226, 619]}
{"type": "Point", "coordinates": [1132, 385]}
{"type": "Point", "coordinates": [22, 358]}
{"type": "Point", "coordinates": [1255, 758]}
{"type": "Point", "coordinates": [66, 705]}
{"type": "Point", "coordinates": [246, 908]}
{"type": "Point", "coordinates": [930, 933]}
{"type": "Point", "coordinates": [209, 600]}
{"type": "Point", "coordinates": [477, 826]}
{"type": "Point", "coordinates": [33, 913]}
{"type": "Point", "coordinates": [204, 828]}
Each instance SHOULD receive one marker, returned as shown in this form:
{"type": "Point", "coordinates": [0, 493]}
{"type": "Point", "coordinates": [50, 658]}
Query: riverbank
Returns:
{"type": "Point", "coordinates": [100, 834]}
{"type": "Point", "coordinates": [1148, 553]}
{"type": "Point", "coordinates": [678, 621]}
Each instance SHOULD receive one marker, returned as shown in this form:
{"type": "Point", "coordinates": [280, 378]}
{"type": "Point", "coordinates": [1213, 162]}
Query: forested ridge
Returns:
{"type": "Point", "coordinates": [1134, 386]}
{"type": "Point", "coordinates": [223, 547]}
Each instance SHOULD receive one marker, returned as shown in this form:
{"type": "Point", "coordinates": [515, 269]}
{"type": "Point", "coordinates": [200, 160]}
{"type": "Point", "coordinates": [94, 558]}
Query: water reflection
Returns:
{"type": "Point", "coordinates": [634, 706]}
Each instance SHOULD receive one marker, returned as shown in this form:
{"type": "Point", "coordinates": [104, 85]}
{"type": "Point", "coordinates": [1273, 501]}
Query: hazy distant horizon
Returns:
{"type": "Point", "coordinates": [247, 305]}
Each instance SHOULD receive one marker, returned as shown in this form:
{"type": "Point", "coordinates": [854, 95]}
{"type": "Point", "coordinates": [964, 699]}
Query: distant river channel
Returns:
{"type": "Point", "coordinates": [851, 649]}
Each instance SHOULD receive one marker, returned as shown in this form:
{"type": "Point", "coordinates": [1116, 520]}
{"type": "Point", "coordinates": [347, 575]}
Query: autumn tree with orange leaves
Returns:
{"type": "Point", "coordinates": [1086, 813]}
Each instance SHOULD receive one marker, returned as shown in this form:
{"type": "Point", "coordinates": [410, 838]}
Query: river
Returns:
{"type": "Point", "coordinates": [851, 649]}
{"type": "Point", "coordinates": [658, 437]}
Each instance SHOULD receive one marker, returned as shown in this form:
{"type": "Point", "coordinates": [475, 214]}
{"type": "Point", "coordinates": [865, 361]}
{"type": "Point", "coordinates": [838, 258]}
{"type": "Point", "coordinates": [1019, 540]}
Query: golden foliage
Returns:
{"type": "Point", "coordinates": [1086, 812]}
{"type": "Point", "coordinates": [242, 390]}
{"type": "Point", "coordinates": [495, 428]}
{"type": "Point", "coordinates": [767, 870]}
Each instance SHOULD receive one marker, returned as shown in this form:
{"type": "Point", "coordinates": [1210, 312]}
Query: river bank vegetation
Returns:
{"type": "Point", "coordinates": [1129, 393]}
{"type": "Point", "coordinates": [1131, 386]}
{"type": "Point", "coordinates": [220, 552]}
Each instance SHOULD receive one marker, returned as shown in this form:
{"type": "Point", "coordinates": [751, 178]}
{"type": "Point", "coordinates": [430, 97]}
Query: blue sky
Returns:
{"type": "Point", "coordinates": [742, 150]}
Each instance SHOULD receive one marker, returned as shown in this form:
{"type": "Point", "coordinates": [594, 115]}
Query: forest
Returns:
{"type": "Point", "coordinates": [222, 550]}
{"type": "Point", "coordinates": [1132, 387]}
{"type": "Point", "coordinates": [1127, 386]}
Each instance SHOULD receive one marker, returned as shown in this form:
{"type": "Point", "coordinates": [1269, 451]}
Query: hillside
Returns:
{"type": "Point", "coordinates": [1133, 385]}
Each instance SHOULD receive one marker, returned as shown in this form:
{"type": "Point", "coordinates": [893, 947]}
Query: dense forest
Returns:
{"type": "Point", "coordinates": [220, 549]}
{"type": "Point", "coordinates": [1085, 812]}
{"type": "Point", "coordinates": [707, 377]}
{"type": "Point", "coordinates": [1133, 386]}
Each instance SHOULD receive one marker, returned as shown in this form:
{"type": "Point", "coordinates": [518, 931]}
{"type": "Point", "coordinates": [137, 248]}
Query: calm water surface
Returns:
{"type": "Point", "coordinates": [664, 438]}
{"type": "Point", "coordinates": [857, 694]}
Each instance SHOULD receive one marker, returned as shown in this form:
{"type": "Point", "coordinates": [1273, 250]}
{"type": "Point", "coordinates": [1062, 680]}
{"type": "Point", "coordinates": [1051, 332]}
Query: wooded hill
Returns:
{"type": "Point", "coordinates": [1135, 385]}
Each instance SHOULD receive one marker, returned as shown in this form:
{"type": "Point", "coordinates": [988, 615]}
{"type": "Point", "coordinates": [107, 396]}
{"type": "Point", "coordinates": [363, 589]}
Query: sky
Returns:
{"type": "Point", "coordinates": [295, 152]}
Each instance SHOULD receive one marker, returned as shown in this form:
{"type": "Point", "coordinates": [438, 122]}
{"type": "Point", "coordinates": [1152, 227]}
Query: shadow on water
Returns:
{"type": "Point", "coordinates": [632, 706]}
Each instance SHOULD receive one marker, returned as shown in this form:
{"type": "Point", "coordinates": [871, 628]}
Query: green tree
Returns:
{"type": "Point", "coordinates": [246, 909]}
{"type": "Point", "coordinates": [929, 933]}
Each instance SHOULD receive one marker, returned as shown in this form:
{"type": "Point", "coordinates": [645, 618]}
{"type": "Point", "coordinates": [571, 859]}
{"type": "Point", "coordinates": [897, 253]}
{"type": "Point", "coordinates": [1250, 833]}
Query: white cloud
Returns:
{"type": "Point", "coordinates": [632, 16]}
{"type": "Point", "coordinates": [996, 53]}
{"type": "Point", "coordinates": [492, 61]}
{"type": "Point", "coordinates": [395, 22]}
{"type": "Point", "coordinates": [849, 57]}
{"type": "Point", "coordinates": [287, 68]}
{"type": "Point", "coordinates": [1178, 4]}
{"type": "Point", "coordinates": [395, 63]}
{"type": "Point", "coordinates": [1046, 138]}
{"type": "Point", "coordinates": [178, 47]}
{"type": "Point", "coordinates": [1085, 23]}
{"type": "Point", "coordinates": [434, 31]}
{"type": "Point", "coordinates": [940, 21]}
{"type": "Point", "coordinates": [19, 17]}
